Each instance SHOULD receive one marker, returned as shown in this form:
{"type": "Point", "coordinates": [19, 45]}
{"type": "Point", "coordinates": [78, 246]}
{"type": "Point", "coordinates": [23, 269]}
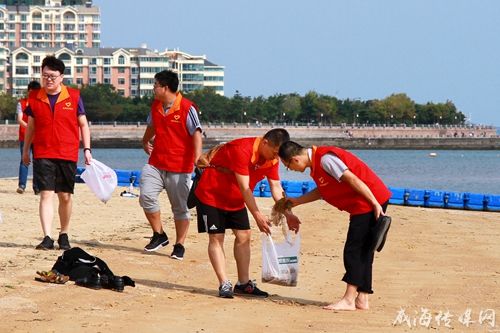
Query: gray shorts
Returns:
{"type": "Point", "coordinates": [154, 180]}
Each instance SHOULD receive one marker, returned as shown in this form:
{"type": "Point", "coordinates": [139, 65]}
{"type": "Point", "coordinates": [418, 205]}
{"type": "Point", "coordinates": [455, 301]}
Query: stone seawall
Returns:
{"type": "Point", "coordinates": [352, 137]}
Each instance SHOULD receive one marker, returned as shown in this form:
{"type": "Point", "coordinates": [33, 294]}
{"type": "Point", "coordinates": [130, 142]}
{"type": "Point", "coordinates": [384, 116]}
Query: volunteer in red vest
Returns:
{"type": "Point", "coordinates": [173, 141]}
{"type": "Point", "coordinates": [56, 118]}
{"type": "Point", "coordinates": [22, 119]}
{"type": "Point", "coordinates": [346, 182]}
{"type": "Point", "coordinates": [225, 192]}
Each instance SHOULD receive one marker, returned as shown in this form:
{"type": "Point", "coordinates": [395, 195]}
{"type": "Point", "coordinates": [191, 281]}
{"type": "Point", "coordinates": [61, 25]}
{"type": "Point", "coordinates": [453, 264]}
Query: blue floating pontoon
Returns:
{"type": "Point", "coordinates": [400, 196]}
{"type": "Point", "coordinates": [435, 199]}
{"type": "Point", "coordinates": [445, 199]}
{"type": "Point", "coordinates": [416, 197]}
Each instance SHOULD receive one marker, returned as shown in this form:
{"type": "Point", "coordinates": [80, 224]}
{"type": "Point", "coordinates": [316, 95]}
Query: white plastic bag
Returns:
{"type": "Point", "coordinates": [101, 179]}
{"type": "Point", "coordinates": [280, 261]}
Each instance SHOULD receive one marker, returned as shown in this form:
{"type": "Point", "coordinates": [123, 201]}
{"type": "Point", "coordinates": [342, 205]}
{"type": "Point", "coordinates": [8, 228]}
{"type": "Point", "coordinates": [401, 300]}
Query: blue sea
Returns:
{"type": "Point", "coordinates": [451, 170]}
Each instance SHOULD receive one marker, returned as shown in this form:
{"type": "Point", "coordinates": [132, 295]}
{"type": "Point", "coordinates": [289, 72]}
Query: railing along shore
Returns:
{"type": "Point", "coordinates": [116, 135]}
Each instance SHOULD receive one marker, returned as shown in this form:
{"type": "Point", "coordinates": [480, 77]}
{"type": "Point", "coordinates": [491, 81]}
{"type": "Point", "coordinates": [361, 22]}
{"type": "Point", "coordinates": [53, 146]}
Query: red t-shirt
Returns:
{"type": "Point", "coordinates": [219, 188]}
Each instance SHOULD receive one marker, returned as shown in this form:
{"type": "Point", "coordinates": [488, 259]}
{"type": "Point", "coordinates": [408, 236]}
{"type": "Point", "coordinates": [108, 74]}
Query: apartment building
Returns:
{"type": "Point", "coordinates": [196, 72]}
{"type": "Point", "coordinates": [70, 30]}
{"type": "Point", "coordinates": [52, 25]}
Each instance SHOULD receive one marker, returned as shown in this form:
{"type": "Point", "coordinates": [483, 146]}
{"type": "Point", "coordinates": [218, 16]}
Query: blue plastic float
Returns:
{"type": "Point", "coordinates": [445, 199]}
{"type": "Point", "coordinates": [400, 196]}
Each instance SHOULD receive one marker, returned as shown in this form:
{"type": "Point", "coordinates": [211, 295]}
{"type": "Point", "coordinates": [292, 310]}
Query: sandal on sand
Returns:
{"type": "Point", "coordinates": [51, 277]}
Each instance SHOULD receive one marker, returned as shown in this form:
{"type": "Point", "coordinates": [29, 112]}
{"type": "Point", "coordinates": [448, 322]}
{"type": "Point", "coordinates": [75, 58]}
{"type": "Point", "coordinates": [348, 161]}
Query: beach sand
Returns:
{"type": "Point", "coordinates": [434, 261]}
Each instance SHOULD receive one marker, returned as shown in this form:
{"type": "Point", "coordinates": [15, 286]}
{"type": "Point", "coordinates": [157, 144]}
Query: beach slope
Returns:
{"type": "Point", "coordinates": [435, 262]}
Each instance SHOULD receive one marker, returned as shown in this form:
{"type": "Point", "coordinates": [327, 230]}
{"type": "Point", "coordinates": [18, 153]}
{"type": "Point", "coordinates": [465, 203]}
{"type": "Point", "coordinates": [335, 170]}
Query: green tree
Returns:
{"type": "Point", "coordinates": [8, 107]}
{"type": "Point", "coordinates": [309, 106]}
{"type": "Point", "coordinates": [399, 108]}
{"type": "Point", "coordinates": [102, 102]}
{"type": "Point", "coordinates": [325, 109]}
{"type": "Point", "coordinates": [291, 107]}
{"type": "Point", "coordinates": [377, 113]}
{"type": "Point", "coordinates": [274, 108]}
{"type": "Point", "coordinates": [348, 109]}
{"type": "Point", "coordinates": [257, 110]}
{"type": "Point", "coordinates": [212, 106]}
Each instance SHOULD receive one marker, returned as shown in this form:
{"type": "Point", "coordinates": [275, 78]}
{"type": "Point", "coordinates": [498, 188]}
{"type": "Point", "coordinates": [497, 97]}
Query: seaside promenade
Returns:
{"type": "Point", "coordinates": [348, 136]}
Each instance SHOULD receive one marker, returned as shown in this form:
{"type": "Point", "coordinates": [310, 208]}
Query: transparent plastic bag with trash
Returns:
{"type": "Point", "coordinates": [280, 260]}
{"type": "Point", "coordinates": [101, 179]}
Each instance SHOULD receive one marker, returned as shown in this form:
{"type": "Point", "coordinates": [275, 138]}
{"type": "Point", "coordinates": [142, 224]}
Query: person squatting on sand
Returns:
{"type": "Point", "coordinates": [56, 117]}
{"type": "Point", "coordinates": [22, 119]}
{"type": "Point", "coordinates": [346, 182]}
{"type": "Point", "coordinates": [174, 126]}
{"type": "Point", "coordinates": [224, 189]}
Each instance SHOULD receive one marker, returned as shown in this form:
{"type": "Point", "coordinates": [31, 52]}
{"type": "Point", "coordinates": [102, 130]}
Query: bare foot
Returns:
{"type": "Point", "coordinates": [361, 303]}
{"type": "Point", "coordinates": [342, 305]}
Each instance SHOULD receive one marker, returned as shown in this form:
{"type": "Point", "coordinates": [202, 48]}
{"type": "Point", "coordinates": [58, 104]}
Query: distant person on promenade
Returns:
{"type": "Point", "coordinates": [22, 119]}
{"type": "Point", "coordinates": [56, 117]}
{"type": "Point", "coordinates": [346, 182]}
{"type": "Point", "coordinates": [225, 188]}
{"type": "Point", "coordinates": [173, 141]}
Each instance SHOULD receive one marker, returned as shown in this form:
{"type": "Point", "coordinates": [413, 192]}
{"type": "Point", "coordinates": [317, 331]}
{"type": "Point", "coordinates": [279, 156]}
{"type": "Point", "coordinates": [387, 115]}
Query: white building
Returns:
{"type": "Point", "coordinates": [29, 32]}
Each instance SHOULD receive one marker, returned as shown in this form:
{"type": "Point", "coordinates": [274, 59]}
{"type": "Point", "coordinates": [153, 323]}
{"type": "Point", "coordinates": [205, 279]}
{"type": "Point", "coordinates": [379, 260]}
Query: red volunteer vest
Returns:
{"type": "Point", "coordinates": [22, 130]}
{"type": "Point", "coordinates": [220, 189]}
{"type": "Point", "coordinates": [56, 132]}
{"type": "Point", "coordinates": [173, 148]}
{"type": "Point", "coordinates": [340, 194]}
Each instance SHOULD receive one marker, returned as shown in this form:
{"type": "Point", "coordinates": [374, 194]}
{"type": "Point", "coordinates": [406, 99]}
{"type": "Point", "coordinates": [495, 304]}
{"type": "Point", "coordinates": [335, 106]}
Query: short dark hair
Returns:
{"type": "Point", "coordinates": [34, 85]}
{"type": "Point", "coordinates": [290, 149]}
{"type": "Point", "coordinates": [53, 63]}
{"type": "Point", "coordinates": [277, 136]}
{"type": "Point", "coordinates": [169, 79]}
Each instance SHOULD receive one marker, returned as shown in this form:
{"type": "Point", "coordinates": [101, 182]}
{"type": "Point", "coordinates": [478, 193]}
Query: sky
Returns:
{"type": "Point", "coordinates": [431, 50]}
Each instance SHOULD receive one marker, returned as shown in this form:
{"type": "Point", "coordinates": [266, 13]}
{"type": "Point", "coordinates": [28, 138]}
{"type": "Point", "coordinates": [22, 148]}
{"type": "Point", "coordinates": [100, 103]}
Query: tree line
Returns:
{"type": "Point", "coordinates": [104, 104]}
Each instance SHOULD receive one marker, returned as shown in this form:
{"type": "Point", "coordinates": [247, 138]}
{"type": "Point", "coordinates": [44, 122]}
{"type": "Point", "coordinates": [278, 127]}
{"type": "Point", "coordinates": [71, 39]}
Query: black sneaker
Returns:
{"type": "Point", "coordinates": [178, 252]}
{"type": "Point", "coordinates": [157, 242]}
{"type": "Point", "coordinates": [63, 242]}
{"type": "Point", "coordinates": [46, 244]}
{"type": "Point", "coordinates": [226, 289]}
{"type": "Point", "coordinates": [249, 289]}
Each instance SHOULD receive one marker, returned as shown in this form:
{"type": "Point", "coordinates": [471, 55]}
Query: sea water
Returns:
{"type": "Point", "coordinates": [476, 171]}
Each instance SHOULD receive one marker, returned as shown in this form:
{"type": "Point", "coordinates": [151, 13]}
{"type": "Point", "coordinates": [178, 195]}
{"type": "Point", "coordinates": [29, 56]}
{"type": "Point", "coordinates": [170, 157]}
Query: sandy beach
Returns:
{"type": "Point", "coordinates": [438, 267]}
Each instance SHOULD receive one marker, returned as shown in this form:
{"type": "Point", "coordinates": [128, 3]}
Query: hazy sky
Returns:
{"type": "Point", "coordinates": [432, 50]}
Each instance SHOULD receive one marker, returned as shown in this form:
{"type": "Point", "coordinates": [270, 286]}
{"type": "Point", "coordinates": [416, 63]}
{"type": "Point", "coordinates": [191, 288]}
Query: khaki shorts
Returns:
{"type": "Point", "coordinates": [177, 185]}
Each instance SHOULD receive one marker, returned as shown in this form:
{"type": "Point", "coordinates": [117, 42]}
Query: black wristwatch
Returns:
{"type": "Point", "coordinates": [90, 150]}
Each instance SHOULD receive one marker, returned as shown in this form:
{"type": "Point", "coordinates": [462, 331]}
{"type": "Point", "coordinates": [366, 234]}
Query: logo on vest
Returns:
{"type": "Point", "coordinates": [322, 181]}
{"type": "Point", "coordinates": [176, 118]}
{"type": "Point", "coordinates": [67, 106]}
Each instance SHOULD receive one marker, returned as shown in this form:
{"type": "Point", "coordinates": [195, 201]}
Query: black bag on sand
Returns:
{"type": "Point", "coordinates": [89, 271]}
{"type": "Point", "coordinates": [379, 232]}
{"type": "Point", "coordinates": [192, 200]}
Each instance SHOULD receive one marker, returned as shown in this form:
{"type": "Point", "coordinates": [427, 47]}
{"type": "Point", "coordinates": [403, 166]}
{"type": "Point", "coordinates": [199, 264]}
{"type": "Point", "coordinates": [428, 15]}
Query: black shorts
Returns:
{"type": "Point", "coordinates": [216, 221]}
{"type": "Point", "coordinates": [54, 175]}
